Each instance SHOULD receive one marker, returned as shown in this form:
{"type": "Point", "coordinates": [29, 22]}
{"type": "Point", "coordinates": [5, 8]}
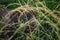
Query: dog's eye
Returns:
{"type": "Point", "coordinates": [14, 16]}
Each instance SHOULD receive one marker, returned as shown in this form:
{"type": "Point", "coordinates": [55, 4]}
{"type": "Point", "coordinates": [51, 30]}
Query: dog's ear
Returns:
{"type": "Point", "coordinates": [3, 11]}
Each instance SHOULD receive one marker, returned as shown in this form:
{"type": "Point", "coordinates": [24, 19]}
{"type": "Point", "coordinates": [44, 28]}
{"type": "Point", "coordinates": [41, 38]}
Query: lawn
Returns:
{"type": "Point", "coordinates": [29, 19]}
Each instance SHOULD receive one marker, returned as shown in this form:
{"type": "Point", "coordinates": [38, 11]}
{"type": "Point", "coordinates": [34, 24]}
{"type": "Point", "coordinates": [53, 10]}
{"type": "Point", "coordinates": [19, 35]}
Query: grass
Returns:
{"type": "Point", "coordinates": [47, 16]}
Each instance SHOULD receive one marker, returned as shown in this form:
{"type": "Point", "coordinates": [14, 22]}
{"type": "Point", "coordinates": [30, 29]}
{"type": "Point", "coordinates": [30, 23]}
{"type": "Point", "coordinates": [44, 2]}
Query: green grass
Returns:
{"type": "Point", "coordinates": [48, 16]}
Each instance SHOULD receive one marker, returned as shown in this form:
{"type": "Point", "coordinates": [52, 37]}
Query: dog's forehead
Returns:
{"type": "Point", "coordinates": [26, 7]}
{"type": "Point", "coordinates": [23, 9]}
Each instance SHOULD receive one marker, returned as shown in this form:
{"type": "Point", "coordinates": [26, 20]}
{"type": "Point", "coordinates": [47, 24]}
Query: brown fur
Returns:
{"type": "Point", "coordinates": [21, 14]}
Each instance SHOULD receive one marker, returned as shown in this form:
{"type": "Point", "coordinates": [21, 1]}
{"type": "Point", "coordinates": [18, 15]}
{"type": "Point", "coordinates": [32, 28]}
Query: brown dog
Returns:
{"type": "Point", "coordinates": [23, 14]}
